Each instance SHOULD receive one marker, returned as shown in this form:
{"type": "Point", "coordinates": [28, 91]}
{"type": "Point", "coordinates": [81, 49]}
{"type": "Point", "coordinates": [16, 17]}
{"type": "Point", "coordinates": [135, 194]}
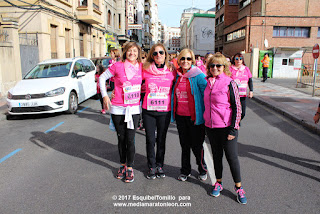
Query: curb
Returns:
{"type": "Point", "coordinates": [309, 126]}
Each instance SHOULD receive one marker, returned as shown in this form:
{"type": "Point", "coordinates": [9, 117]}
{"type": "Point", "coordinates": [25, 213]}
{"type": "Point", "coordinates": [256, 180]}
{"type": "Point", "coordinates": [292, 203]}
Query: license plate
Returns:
{"type": "Point", "coordinates": [28, 104]}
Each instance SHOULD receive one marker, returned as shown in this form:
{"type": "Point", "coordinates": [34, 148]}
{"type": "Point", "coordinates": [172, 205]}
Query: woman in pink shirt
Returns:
{"type": "Point", "coordinates": [187, 109]}
{"type": "Point", "coordinates": [125, 106]}
{"type": "Point", "coordinates": [241, 74]}
{"type": "Point", "coordinates": [222, 116]}
{"type": "Point", "coordinates": [156, 110]}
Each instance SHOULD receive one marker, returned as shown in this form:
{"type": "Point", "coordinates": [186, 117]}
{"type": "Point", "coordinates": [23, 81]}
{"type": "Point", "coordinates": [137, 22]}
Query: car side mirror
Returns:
{"type": "Point", "coordinates": [81, 74]}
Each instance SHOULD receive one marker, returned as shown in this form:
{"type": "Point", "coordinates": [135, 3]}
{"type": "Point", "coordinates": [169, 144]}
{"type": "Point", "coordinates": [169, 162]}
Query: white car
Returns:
{"type": "Point", "coordinates": [54, 85]}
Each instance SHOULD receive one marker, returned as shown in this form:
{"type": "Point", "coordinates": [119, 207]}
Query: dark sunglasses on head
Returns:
{"type": "Point", "coordinates": [239, 58]}
{"type": "Point", "coordinates": [183, 58]}
{"type": "Point", "coordinates": [213, 65]}
{"type": "Point", "coordinates": [156, 53]}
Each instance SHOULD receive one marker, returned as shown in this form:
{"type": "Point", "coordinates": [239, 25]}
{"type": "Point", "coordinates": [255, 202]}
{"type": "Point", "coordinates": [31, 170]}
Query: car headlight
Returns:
{"type": "Point", "coordinates": [9, 96]}
{"type": "Point", "coordinates": [55, 92]}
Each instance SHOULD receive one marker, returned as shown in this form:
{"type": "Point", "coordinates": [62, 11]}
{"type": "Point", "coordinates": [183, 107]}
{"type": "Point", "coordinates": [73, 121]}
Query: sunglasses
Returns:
{"type": "Point", "coordinates": [215, 65]}
{"type": "Point", "coordinates": [239, 58]}
{"type": "Point", "coordinates": [156, 53]}
{"type": "Point", "coordinates": [142, 57]}
{"type": "Point", "coordinates": [184, 58]}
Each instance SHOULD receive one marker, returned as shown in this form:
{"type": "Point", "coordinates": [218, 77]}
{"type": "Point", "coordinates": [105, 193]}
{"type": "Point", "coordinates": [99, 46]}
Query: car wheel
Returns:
{"type": "Point", "coordinates": [73, 103]}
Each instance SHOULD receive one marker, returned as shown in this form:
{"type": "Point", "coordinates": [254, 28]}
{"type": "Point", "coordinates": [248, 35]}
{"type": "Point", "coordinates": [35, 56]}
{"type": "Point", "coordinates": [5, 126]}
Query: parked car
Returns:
{"type": "Point", "coordinates": [54, 85]}
{"type": "Point", "coordinates": [104, 61]}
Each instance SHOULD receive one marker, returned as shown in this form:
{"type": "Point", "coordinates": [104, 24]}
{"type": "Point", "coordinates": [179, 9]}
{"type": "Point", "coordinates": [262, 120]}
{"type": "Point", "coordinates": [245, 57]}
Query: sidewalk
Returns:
{"type": "Point", "coordinates": [283, 96]}
{"type": "Point", "coordinates": [279, 94]}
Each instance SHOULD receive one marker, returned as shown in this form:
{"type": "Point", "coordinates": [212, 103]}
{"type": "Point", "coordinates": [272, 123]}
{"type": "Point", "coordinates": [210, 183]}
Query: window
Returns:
{"type": "Point", "coordinates": [83, 3]}
{"type": "Point", "coordinates": [222, 18]}
{"type": "Point", "coordinates": [284, 61]}
{"type": "Point", "coordinates": [236, 35]}
{"type": "Point", "coordinates": [53, 41]}
{"type": "Point", "coordinates": [303, 32]}
{"type": "Point", "coordinates": [109, 17]}
{"type": "Point", "coordinates": [217, 21]}
{"type": "Point", "coordinates": [318, 35]}
{"type": "Point", "coordinates": [233, 1]}
{"type": "Point", "coordinates": [291, 62]}
{"type": "Point", "coordinates": [119, 21]}
{"type": "Point", "coordinates": [96, 4]}
{"type": "Point", "coordinates": [244, 3]}
{"type": "Point", "coordinates": [67, 42]}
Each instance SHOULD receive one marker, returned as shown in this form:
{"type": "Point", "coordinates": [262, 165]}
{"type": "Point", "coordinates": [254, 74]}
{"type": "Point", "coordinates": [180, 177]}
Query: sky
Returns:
{"type": "Point", "coordinates": [170, 10]}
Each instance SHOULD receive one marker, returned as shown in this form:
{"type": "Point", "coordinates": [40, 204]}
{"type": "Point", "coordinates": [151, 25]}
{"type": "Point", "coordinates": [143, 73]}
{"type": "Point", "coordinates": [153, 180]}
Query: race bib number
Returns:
{"type": "Point", "coordinates": [132, 94]}
{"type": "Point", "coordinates": [242, 88]}
{"type": "Point", "coordinates": [157, 101]}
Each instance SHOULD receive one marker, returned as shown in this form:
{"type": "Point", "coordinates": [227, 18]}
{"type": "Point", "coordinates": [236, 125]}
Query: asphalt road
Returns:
{"type": "Point", "coordinates": [66, 164]}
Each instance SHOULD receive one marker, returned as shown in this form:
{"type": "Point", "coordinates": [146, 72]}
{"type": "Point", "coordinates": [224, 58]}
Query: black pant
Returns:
{"type": "Point", "coordinates": [126, 141]}
{"type": "Point", "coordinates": [191, 137]}
{"type": "Point", "coordinates": [219, 143]}
{"type": "Point", "coordinates": [156, 121]}
{"type": "Point", "coordinates": [265, 73]}
{"type": "Point", "coordinates": [101, 99]}
{"type": "Point", "coordinates": [243, 106]}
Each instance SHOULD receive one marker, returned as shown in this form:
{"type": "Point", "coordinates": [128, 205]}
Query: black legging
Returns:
{"type": "Point", "coordinates": [126, 141]}
{"type": "Point", "coordinates": [265, 73]}
{"type": "Point", "coordinates": [243, 106]}
{"type": "Point", "coordinates": [191, 138]}
{"type": "Point", "coordinates": [156, 121]}
{"type": "Point", "coordinates": [219, 143]}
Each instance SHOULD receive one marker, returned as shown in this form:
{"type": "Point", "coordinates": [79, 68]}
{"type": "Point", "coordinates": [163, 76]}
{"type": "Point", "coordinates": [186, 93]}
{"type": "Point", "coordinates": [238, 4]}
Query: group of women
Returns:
{"type": "Point", "coordinates": [200, 103]}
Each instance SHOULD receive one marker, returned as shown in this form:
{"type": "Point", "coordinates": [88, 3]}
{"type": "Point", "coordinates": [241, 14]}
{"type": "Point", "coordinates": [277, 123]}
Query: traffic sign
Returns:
{"type": "Point", "coordinates": [315, 51]}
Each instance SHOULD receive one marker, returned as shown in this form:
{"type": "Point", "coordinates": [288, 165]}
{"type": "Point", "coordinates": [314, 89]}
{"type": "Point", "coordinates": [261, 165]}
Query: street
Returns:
{"type": "Point", "coordinates": [67, 164]}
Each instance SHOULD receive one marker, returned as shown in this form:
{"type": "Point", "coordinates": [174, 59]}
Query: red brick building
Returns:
{"type": "Point", "coordinates": [274, 23]}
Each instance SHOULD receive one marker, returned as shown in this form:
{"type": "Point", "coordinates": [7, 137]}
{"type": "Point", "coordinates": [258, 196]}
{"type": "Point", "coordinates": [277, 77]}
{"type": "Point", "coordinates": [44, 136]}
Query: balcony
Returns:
{"type": "Point", "coordinates": [88, 12]}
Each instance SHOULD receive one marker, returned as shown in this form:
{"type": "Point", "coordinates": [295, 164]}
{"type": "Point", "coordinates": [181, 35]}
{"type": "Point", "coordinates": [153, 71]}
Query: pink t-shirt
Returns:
{"type": "Point", "coordinates": [241, 76]}
{"type": "Point", "coordinates": [126, 92]}
{"type": "Point", "coordinates": [182, 98]}
{"type": "Point", "coordinates": [158, 91]}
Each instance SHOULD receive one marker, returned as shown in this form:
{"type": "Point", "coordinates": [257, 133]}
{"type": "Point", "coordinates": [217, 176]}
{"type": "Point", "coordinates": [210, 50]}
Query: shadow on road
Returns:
{"type": "Point", "coordinates": [252, 152]}
{"type": "Point", "coordinates": [97, 152]}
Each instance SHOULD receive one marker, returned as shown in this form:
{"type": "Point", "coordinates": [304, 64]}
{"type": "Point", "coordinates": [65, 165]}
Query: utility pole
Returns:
{"type": "Point", "coordinates": [249, 33]}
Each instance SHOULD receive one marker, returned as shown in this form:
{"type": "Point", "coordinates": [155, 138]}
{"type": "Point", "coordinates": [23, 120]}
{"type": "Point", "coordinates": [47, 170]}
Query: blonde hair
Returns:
{"type": "Point", "coordinates": [221, 59]}
{"type": "Point", "coordinates": [184, 52]}
{"type": "Point", "coordinates": [150, 59]}
{"type": "Point", "coordinates": [127, 47]}
{"type": "Point", "coordinates": [116, 52]}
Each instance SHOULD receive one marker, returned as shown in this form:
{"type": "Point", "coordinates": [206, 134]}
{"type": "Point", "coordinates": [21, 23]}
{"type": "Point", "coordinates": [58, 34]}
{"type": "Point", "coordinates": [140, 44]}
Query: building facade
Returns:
{"type": "Point", "coordinates": [201, 33]}
{"type": "Point", "coordinates": [171, 38]}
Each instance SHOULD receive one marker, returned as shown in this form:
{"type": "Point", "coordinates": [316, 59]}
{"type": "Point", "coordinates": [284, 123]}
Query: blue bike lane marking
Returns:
{"type": "Point", "coordinates": [51, 129]}
{"type": "Point", "coordinates": [9, 155]}
{"type": "Point", "coordinates": [82, 109]}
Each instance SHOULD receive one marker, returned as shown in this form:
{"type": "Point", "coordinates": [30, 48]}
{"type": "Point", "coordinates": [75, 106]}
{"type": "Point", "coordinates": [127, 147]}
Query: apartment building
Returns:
{"type": "Point", "coordinates": [171, 38]}
{"type": "Point", "coordinates": [281, 23]}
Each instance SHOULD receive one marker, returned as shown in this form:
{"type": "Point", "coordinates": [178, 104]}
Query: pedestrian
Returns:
{"type": "Point", "coordinates": [222, 117]}
{"type": "Point", "coordinates": [175, 61]}
{"type": "Point", "coordinates": [265, 64]}
{"type": "Point", "coordinates": [187, 109]}
{"type": "Point", "coordinates": [125, 108]}
{"type": "Point", "coordinates": [115, 57]}
{"type": "Point", "coordinates": [203, 67]}
{"type": "Point", "coordinates": [156, 110]}
{"type": "Point", "coordinates": [317, 115]}
{"type": "Point", "coordinates": [100, 70]}
{"type": "Point", "coordinates": [143, 92]}
{"type": "Point", "coordinates": [241, 74]}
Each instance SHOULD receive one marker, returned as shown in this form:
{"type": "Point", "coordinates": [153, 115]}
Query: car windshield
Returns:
{"type": "Point", "coordinates": [49, 71]}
